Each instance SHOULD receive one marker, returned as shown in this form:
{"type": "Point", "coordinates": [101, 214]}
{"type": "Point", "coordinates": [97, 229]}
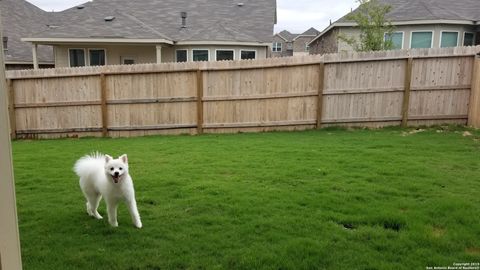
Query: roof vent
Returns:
{"type": "Point", "coordinates": [109, 18]}
{"type": "Point", "coordinates": [240, 4]}
{"type": "Point", "coordinates": [183, 14]}
{"type": "Point", "coordinates": [80, 7]}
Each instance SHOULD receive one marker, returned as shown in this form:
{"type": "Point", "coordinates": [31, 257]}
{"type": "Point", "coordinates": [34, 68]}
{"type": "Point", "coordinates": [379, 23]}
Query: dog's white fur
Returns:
{"type": "Point", "coordinates": [101, 175]}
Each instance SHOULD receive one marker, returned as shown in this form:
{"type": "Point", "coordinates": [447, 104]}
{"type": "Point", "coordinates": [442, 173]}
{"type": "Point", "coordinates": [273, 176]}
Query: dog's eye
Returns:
{"type": "Point", "coordinates": [111, 169]}
{"type": "Point", "coordinates": [120, 169]}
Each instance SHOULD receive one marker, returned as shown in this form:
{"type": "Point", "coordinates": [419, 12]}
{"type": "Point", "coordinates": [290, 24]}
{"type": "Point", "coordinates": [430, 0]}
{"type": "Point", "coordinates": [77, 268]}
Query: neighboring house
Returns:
{"type": "Point", "coordinates": [418, 24]}
{"type": "Point", "coordinates": [20, 19]}
{"type": "Point", "coordinates": [114, 32]}
{"type": "Point", "coordinates": [288, 44]}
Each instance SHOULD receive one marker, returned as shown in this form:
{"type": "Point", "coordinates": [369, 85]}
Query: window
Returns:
{"type": "Point", "coordinates": [97, 57]}
{"type": "Point", "coordinates": [396, 38]}
{"type": "Point", "coordinates": [128, 60]}
{"type": "Point", "coordinates": [468, 39]}
{"type": "Point", "coordinates": [225, 55]}
{"type": "Point", "coordinates": [76, 57]}
{"type": "Point", "coordinates": [307, 48]}
{"type": "Point", "coordinates": [423, 39]}
{"type": "Point", "coordinates": [449, 39]}
{"type": "Point", "coordinates": [181, 56]}
{"type": "Point", "coordinates": [276, 47]}
{"type": "Point", "coordinates": [248, 55]}
{"type": "Point", "coordinates": [5, 43]}
{"type": "Point", "coordinates": [200, 55]}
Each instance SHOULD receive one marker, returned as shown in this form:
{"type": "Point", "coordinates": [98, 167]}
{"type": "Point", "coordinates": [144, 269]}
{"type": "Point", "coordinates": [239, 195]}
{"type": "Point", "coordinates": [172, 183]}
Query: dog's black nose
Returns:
{"type": "Point", "coordinates": [116, 174]}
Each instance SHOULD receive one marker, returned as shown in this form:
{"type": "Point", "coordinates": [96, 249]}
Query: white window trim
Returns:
{"type": "Point", "coordinates": [84, 56]}
{"type": "Point", "coordinates": [403, 37]}
{"type": "Point", "coordinates": [281, 46]}
{"type": "Point", "coordinates": [95, 49]}
{"type": "Point", "coordinates": [201, 50]}
{"type": "Point", "coordinates": [176, 59]}
{"type": "Point", "coordinates": [244, 50]}
{"type": "Point", "coordinates": [230, 50]}
{"type": "Point", "coordinates": [441, 34]}
{"type": "Point", "coordinates": [421, 31]}
{"type": "Point", "coordinates": [463, 39]}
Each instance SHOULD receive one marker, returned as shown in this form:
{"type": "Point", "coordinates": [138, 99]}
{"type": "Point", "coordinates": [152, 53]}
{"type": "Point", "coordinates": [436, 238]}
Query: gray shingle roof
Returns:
{"type": "Point", "coordinates": [20, 19]}
{"type": "Point", "coordinates": [287, 35]}
{"type": "Point", "coordinates": [291, 37]}
{"type": "Point", "coordinates": [311, 32]}
{"type": "Point", "coordinates": [207, 20]}
{"type": "Point", "coordinates": [409, 10]}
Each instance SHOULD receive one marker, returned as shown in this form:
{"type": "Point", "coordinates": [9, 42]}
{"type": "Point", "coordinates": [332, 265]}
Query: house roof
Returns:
{"type": "Point", "coordinates": [410, 10]}
{"type": "Point", "coordinates": [19, 19]}
{"type": "Point", "coordinates": [207, 20]}
{"type": "Point", "coordinates": [310, 32]}
{"type": "Point", "coordinates": [289, 37]}
{"type": "Point", "coordinates": [405, 12]}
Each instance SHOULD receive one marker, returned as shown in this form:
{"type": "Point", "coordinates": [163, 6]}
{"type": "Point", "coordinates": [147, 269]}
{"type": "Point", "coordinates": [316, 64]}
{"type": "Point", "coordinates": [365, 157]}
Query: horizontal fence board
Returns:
{"type": "Point", "coordinates": [152, 100]}
{"type": "Point", "coordinates": [58, 130]}
{"type": "Point", "coordinates": [157, 127]}
{"type": "Point", "coordinates": [262, 124]}
{"type": "Point", "coordinates": [259, 97]}
{"type": "Point", "coordinates": [57, 104]}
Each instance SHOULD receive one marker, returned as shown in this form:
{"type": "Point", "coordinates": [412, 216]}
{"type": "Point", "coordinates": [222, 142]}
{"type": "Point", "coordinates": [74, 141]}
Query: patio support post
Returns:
{"type": "Point", "coordinates": [159, 54]}
{"type": "Point", "coordinates": [34, 55]}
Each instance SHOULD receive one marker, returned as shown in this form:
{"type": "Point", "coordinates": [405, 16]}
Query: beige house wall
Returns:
{"type": "Point", "coordinates": [147, 53]}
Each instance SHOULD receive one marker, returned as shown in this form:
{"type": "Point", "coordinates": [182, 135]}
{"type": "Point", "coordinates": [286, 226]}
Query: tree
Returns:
{"type": "Point", "coordinates": [374, 27]}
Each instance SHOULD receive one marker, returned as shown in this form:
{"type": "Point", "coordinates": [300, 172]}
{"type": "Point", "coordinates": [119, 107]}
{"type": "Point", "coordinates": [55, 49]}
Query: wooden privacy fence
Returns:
{"type": "Point", "coordinates": [415, 87]}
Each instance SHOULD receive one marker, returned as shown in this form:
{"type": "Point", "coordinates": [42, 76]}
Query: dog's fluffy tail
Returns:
{"type": "Point", "coordinates": [89, 164]}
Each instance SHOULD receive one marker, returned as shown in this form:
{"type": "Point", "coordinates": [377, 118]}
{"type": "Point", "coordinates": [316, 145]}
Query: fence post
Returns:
{"type": "Point", "coordinates": [406, 93]}
{"type": "Point", "coordinates": [321, 86]}
{"type": "Point", "coordinates": [11, 109]}
{"type": "Point", "coordinates": [474, 104]}
{"type": "Point", "coordinates": [199, 101]}
{"type": "Point", "coordinates": [103, 87]}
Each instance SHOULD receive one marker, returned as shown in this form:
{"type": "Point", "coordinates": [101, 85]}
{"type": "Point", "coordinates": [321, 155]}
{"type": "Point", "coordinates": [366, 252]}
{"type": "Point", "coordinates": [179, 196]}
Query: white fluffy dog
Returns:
{"type": "Point", "coordinates": [101, 175]}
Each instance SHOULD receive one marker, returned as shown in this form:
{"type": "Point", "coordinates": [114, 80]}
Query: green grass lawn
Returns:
{"type": "Point", "coordinates": [329, 199]}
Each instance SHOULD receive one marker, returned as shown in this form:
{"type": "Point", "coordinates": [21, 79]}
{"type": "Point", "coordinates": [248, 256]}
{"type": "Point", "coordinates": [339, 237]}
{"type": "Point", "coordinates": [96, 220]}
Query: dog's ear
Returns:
{"type": "Point", "coordinates": [108, 158]}
{"type": "Point", "coordinates": [124, 158]}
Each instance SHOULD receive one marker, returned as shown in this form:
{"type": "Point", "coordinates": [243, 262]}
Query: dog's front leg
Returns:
{"type": "Point", "coordinates": [132, 208]}
{"type": "Point", "coordinates": [112, 212]}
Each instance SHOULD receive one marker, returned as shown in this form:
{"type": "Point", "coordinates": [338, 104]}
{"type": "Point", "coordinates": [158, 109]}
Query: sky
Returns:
{"type": "Point", "coordinates": [295, 16]}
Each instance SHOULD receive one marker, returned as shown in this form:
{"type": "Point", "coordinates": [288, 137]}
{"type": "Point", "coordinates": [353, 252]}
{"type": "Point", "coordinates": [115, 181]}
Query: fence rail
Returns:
{"type": "Point", "coordinates": [410, 87]}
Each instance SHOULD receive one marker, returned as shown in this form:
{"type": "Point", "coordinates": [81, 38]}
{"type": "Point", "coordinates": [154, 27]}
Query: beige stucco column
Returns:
{"type": "Point", "coordinates": [9, 240]}
{"type": "Point", "coordinates": [34, 55]}
{"type": "Point", "coordinates": [159, 54]}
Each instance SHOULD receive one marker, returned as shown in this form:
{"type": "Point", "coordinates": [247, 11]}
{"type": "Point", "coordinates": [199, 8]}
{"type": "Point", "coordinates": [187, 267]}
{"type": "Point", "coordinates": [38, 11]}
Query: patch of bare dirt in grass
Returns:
{"type": "Point", "coordinates": [438, 232]}
{"type": "Point", "coordinates": [474, 251]}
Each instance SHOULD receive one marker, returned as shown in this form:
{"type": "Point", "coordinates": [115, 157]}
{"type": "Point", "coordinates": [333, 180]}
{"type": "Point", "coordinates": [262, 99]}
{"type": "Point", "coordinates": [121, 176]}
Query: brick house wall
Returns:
{"type": "Point", "coordinates": [328, 43]}
{"type": "Point", "coordinates": [285, 47]}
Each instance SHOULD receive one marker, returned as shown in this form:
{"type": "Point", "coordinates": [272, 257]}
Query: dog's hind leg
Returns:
{"type": "Point", "coordinates": [93, 200]}
{"type": "Point", "coordinates": [94, 208]}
